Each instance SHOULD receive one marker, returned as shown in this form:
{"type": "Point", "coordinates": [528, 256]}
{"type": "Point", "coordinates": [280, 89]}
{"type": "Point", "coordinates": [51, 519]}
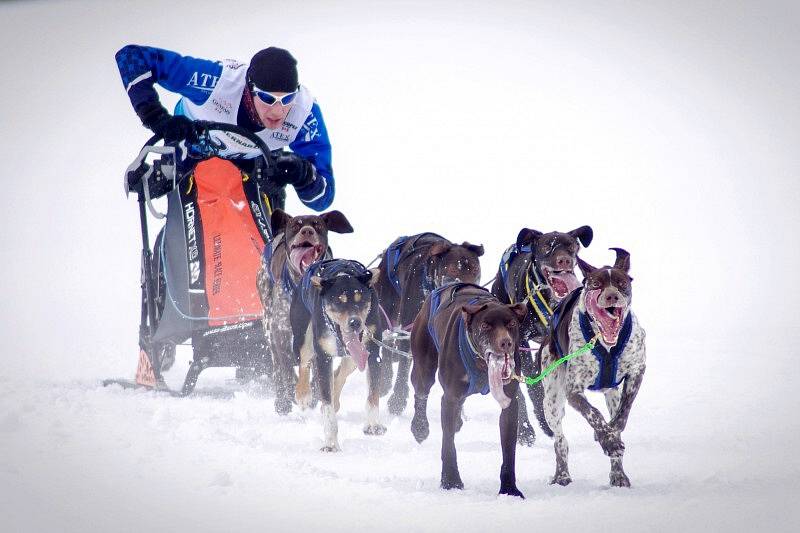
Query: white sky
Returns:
{"type": "Point", "coordinates": [670, 128]}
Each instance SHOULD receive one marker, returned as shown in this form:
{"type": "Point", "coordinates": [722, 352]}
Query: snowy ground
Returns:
{"type": "Point", "coordinates": [670, 127]}
{"type": "Point", "coordinates": [708, 448]}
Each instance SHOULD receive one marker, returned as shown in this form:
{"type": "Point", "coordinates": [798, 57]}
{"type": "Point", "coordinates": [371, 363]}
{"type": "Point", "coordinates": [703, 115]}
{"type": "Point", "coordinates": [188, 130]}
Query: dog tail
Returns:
{"type": "Point", "coordinates": [536, 392]}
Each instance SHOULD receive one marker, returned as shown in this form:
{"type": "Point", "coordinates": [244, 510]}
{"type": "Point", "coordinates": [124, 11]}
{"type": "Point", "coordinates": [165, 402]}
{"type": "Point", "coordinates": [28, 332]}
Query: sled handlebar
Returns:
{"type": "Point", "coordinates": [155, 180]}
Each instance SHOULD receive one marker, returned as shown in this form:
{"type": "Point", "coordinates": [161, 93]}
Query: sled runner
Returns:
{"type": "Point", "coordinates": [199, 281]}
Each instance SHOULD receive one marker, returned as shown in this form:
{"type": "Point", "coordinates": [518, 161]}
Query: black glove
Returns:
{"type": "Point", "coordinates": [171, 129]}
{"type": "Point", "coordinates": [293, 169]}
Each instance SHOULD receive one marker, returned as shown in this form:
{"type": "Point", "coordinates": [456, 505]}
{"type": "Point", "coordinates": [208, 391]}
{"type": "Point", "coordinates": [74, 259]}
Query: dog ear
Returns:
{"type": "Point", "coordinates": [585, 267]}
{"type": "Point", "coordinates": [527, 236]}
{"type": "Point", "coordinates": [583, 234]}
{"type": "Point", "coordinates": [279, 220]}
{"type": "Point", "coordinates": [365, 278]}
{"type": "Point", "coordinates": [440, 247]}
{"type": "Point", "coordinates": [336, 222]}
{"type": "Point", "coordinates": [477, 249]}
{"type": "Point", "coordinates": [623, 261]}
{"type": "Point", "coordinates": [470, 310]}
{"type": "Point", "coordinates": [376, 272]}
{"type": "Point", "coordinates": [520, 309]}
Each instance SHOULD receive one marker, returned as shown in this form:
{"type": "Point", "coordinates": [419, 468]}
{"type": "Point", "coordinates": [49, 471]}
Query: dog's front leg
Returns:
{"type": "Point", "coordinates": [617, 477]}
{"type": "Point", "coordinates": [307, 351]}
{"type": "Point", "coordinates": [329, 424]}
{"type": "Point", "coordinates": [603, 433]}
{"type": "Point", "coordinates": [508, 442]}
{"type": "Point", "coordinates": [451, 407]}
{"type": "Point", "coordinates": [373, 425]}
{"type": "Point", "coordinates": [629, 391]}
{"type": "Point", "coordinates": [346, 367]}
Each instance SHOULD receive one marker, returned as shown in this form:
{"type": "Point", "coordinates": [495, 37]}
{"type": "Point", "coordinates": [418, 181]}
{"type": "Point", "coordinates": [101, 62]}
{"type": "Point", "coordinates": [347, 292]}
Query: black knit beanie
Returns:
{"type": "Point", "coordinates": [273, 69]}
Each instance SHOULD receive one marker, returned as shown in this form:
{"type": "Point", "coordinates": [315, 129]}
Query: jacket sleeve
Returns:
{"type": "Point", "coordinates": [312, 144]}
{"type": "Point", "coordinates": [143, 66]}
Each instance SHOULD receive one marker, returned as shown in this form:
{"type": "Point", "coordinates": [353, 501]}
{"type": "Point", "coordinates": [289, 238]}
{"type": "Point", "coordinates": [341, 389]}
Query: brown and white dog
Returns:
{"type": "Point", "coordinates": [601, 309]}
{"type": "Point", "coordinates": [297, 243]}
{"type": "Point", "coordinates": [472, 339]}
{"type": "Point", "coordinates": [539, 271]}
{"type": "Point", "coordinates": [410, 268]}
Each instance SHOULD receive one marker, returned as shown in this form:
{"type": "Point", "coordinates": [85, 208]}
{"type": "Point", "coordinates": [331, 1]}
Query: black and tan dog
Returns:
{"type": "Point", "coordinates": [410, 268]}
{"type": "Point", "coordinates": [333, 312]}
{"type": "Point", "coordinates": [472, 339]}
{"type": "Point", "coordinates": [600, 310]}
{"type": "Point", "coordinates": [297, 243]}
{"type": "Point", "coordinates": [538, 270]}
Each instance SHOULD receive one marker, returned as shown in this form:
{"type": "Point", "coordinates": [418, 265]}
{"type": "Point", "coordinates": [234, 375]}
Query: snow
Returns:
{"type": "Point", "coordinates": [671, 129]}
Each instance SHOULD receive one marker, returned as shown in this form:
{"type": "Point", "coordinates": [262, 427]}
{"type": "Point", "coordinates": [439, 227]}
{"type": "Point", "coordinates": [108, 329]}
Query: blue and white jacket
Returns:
{"type": "Point", "coordinates": [213, 90]}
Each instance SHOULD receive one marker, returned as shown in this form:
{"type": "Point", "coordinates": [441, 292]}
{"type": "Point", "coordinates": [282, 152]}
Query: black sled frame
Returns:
{"type": "Point", "coordinates": [153, 181]}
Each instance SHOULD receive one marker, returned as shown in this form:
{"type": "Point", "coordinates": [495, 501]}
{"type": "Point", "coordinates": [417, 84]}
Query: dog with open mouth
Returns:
{"type": "Point", "coordinates": [472, 339]}
{"type": "Point", "coordinates": [410, 268]}
{"type": "Point", "coordinates": [333, 314]}
{"type": "Point", "coordinates": [538, 270]}
{"type": "Point", "coordinates": [600, 310]}
{"type": "Point", "coordinates": [297, 243]}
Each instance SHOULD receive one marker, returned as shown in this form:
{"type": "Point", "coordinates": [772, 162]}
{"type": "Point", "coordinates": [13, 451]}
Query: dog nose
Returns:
{"type": "Point", "coordinates": [564, 262]}
{"type": "Point", "coordinates": [612, 298]}
{"type": "Point", "coordinates": [354, 323]}
{"type": "Point", "coordinates": [506, 344]}
{"type": "Point", "coordinates": [307, 231]}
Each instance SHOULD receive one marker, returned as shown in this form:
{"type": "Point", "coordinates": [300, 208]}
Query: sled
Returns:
{"type": "Point", "coordinates": [198, 281]}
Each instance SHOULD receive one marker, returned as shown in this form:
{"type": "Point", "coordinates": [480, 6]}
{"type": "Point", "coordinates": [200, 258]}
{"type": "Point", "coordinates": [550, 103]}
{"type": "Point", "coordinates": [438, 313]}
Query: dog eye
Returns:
{"type": "Point", "coordinates": [343, 298]}
{"type": "Point", "coordinates": [485, 326]}
{"type": "Point", "coordinates": [512, 325]}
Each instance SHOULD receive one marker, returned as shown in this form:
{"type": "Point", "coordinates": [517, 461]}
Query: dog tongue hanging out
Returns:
{"type": "Point", "coordinates": [333, 314]}
{"type": "Point", "coordinates": [615, 364]}
{"type": "Point", "coordinates": [472, 339]}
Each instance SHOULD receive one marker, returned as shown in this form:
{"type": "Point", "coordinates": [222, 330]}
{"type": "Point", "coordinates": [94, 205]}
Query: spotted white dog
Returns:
{"type": "Point", "coordinates": [599, 310]}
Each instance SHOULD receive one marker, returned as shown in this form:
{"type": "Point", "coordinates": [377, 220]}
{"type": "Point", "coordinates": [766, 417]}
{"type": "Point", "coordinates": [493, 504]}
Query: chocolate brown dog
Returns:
{"type": "Point", "coordinates": [297, 243]}
{"type": "Point", "coordinates": [538, 270]}
{"type": "Point", "coordinates": [410, 268]}
{"type": "Point", "coordinates": [472, 339]}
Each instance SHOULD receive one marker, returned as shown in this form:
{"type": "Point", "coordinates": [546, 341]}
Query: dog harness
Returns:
{"type": "Point", "coordinates": [478, 379]}
{"type": "Point", "coordinates": [289, 286]}
{"type": "Point", "coordinates": [395, 255]}
{"type": "Point", "coordinates": [327, 270]}
{"type": "Point", "coordinates": [535, 300]}
{"type": "Point", "coordinates": [607, 360]}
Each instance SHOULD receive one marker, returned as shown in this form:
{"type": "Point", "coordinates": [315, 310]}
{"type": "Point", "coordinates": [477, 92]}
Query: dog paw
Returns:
{"type": "Point", "coordinates": [420, 428]}
{"type": "Point", "coordinates": [374, 429]}
{"type": "Point", "coordinates": [561, 479]}
{"type": "Point", "coordinates": [330, 448]}
{"type": "Point", "coordinates": [283, 406]}
{"type": "Point", "coordinates": [511, 490]}
{"type": "Point", "coordinates": [452, 482]}
{"type": "Point", "coordinates": [397, 403]}
{"type": "Point", "coordinates": [303, 399]}
{"type": "Point", "coordinates": [526, 435]}
{"type": "Point", "coordinates": [619, 479]}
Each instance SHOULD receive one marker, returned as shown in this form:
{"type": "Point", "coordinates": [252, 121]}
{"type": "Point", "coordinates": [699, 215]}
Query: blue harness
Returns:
{"type": "Point", "coordinates": [326, 269]}
{"type": "Point", "coordinates": [608, 360]}
{"type": "Point", "coordinates": [289, 286]}
{"type": "Point", "coordinates": [478, 380]}
{"type": "Point", "coordinates": [394, 253]}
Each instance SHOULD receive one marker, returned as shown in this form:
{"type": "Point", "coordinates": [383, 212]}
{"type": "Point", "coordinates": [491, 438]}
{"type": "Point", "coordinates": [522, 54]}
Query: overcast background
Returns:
{"type": "Point", "coordinates": [669, 127]}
